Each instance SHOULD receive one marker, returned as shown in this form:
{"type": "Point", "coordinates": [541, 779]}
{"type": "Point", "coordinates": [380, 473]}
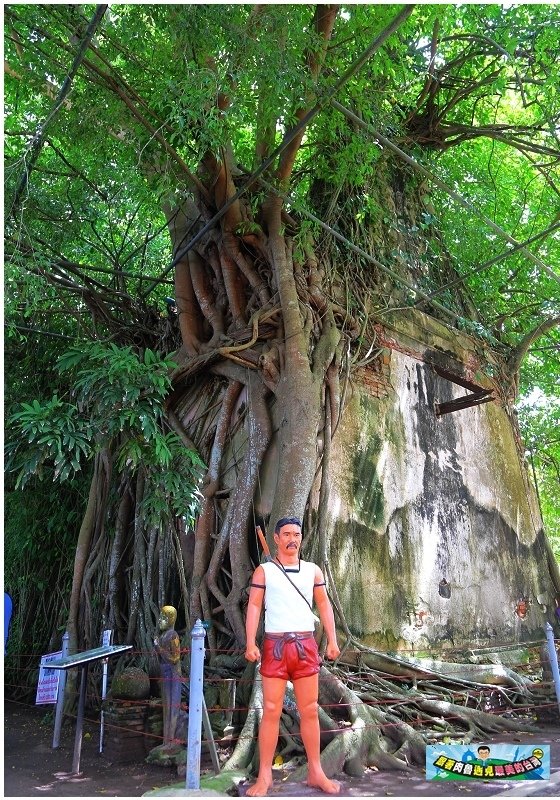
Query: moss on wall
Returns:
{"type": "Point", "coordinates": [416, 499]}
{"type": "Point", "coordinates": [366, 488]}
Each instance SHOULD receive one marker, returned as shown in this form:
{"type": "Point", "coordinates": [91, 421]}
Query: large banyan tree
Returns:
{"type": "Point", "coordinates": [242, 217]}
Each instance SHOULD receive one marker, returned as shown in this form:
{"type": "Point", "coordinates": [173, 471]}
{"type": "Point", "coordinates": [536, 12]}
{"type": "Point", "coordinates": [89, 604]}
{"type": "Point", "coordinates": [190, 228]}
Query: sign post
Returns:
{"type": "Point", "coordinates": [83, 660]}
{"type": "Point", "coordinates": [196, 702]}
{"type": "Point", "coordinates": [106, 640]}
{"type": "Point", "coordinates": [553, 660]}
{"type": "Point", "coordinates": [60, 697]}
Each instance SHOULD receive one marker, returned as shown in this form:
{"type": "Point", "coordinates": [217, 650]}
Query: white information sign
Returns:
{"type": "Point", "coordinates": [47, 685]}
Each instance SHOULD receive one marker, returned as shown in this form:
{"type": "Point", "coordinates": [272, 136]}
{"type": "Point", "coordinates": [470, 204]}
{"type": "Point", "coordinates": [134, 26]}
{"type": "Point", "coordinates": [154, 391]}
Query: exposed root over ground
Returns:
{"type": "Point", "coordinates": [370, 718]}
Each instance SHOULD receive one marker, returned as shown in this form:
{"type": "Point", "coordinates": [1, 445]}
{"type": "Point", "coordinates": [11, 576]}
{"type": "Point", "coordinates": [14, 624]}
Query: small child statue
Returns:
{"type": "Point", "coordinates": [167, 646]}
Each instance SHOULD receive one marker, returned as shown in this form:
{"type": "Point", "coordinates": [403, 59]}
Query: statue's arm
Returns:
{"type": "Point", "coordinates": [326, 613]}
{"type": "Point", "coordinates": [175, 649]}
{"type": "Point", "coordinates": [256, 596]}
{"type": "Point", "coordinates": [168, 647]}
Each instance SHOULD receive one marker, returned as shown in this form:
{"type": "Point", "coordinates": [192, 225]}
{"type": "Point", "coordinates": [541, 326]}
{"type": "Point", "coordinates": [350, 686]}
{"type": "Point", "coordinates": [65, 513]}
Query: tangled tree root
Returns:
{"type": "Point", "coordinates": [368, 719]}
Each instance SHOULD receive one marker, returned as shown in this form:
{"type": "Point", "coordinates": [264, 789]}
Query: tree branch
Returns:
{"type": "Point", "coordinates": [323, 23]}
{"type": "Point", "coordinates": [519, 353]}
{"type": "Point", "coordinates": [37, 142]}
{"type": "Point", "coordinates": [394, 25]}
{"type": "Point", "coordinates": [442, 185]}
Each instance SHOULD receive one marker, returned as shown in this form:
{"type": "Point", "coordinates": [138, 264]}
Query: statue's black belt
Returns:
{"type": "Point", "coordinates": [280, 639]}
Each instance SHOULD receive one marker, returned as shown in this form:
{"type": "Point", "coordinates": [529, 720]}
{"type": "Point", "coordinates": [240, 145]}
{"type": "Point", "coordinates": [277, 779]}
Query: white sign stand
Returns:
{"type": "Point", "coordinates": [83, 660]}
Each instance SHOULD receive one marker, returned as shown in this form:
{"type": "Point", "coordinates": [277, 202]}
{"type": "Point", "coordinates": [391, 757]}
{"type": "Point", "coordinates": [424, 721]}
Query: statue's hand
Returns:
{"type": "Point", "coordinates": [332, 651]}
{"type": "Point", "coordinates": [252, 653]}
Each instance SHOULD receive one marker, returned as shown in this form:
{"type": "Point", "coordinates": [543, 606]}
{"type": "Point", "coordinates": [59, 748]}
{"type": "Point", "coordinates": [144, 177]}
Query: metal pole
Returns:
{"type": "Point", "coordinates": [230, 689]}
{"type": "Point", "coordinates": [105, 640]}
{"type": "Point", "coordinates": [210, 738]}
{"type": "Point", "coordinates": [553, 658]}
{"type": "Point", "coordinates": [80, 720]}
{"type": "Point", "coordinates": [196, 700]}
{"type": "Point", "coordinates": [60, 695]}
{"type": "Point", "coordinates": [103, 696]}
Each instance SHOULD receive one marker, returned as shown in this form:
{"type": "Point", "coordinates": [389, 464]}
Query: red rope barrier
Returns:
{"type": "Point", "coordinates": [466, 649]}
{"type": "Point", "coordinates": [419, 723]}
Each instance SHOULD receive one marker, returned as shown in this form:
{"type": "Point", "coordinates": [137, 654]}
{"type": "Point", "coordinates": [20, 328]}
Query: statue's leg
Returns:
{"type": "Point", "coordinates": [273, 701]}
{"type": "Point", "coordinates": [307, 691]}
{"type": "Point", "coordinates": [166, 700]}
{"type": "Point", "coordinates": [174, 706]}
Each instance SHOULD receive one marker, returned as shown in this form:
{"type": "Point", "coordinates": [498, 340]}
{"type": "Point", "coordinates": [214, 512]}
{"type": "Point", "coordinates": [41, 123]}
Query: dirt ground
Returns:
{"type": "Point", "coordinates": [33, 769]}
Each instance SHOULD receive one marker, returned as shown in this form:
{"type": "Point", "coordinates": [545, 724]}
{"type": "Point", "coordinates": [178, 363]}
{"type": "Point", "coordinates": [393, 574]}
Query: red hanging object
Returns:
{"type": "Point", "coordinates": [522, 607]}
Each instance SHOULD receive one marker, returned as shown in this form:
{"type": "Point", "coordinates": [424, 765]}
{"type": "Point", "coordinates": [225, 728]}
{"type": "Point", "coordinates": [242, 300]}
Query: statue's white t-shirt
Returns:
{"type": "Point", "coordinates": [284, 609]}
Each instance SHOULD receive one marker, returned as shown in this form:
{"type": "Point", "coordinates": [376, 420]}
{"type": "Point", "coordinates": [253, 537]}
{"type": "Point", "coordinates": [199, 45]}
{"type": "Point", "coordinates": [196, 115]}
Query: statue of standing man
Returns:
{"type": "Point", "coordinates": [167, 646]}
{"type": "Point", "coordinates": [289, 651]}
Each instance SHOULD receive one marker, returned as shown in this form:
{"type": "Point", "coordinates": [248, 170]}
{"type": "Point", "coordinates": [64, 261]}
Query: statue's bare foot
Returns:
{"type": "Point", "coordinates": [260, 788]}
{"type": "Point", "coordinates": [320, 781]}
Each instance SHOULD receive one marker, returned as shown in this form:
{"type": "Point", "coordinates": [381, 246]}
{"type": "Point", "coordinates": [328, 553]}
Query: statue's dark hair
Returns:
{"type": "Point", "coordinates": [287, 521]}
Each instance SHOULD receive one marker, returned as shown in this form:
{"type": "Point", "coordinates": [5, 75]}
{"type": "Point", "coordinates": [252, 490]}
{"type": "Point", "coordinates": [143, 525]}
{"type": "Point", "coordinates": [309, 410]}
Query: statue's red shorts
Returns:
{"type": "Point", "coordinates": [289, 656]}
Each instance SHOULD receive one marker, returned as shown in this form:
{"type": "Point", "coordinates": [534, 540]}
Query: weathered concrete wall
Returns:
{"type": "Point", "coordinates": [416, 499]}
